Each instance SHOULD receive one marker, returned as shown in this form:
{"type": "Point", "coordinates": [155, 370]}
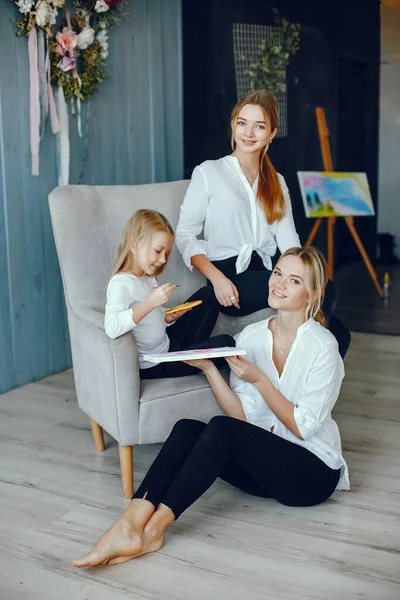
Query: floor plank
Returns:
{"type": "Point", "coordinates": [360, 307]}
{"type": "Point", "coordinates": [57, 495]}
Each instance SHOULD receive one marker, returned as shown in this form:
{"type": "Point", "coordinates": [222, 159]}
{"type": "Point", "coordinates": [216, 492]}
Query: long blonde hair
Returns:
{"type": "Point", "coordinates": [140, 227]}
{"type": "Point", "coordinates": [316, 270]}
{"type": "Point", "coordinates": [269, 192]}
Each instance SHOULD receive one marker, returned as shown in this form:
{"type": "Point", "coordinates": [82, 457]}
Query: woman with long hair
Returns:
{"type": "Point", "coordinates": [277, 439]}
{"type": "Point", "coordinates": [242, 207]}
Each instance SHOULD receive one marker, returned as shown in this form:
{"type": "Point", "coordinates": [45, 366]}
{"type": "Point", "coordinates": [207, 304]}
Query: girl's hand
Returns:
{"type": "Point", "coordinates": [244, 369]}
{"type": "Point", "coordinates": [204, 364]}
{"type": "Point", "coordinates": [161, 294]}
{"type": "Point", "coordinates": [225, 292]}
{"type": "Point", "coordinates": [171, 317]}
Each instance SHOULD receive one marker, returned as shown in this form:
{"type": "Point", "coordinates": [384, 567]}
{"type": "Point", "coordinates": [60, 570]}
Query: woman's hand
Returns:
{"type": "Point", "coordinates": [225, 292]}
{"type": "Point", "coordinates": [161, 294]}
{"type": "Point", "coordinates": [172, 317]}
{"type": "Point", "coordinates": [244, 369]}
{"type": "Point", "coordinates": [204, 364]}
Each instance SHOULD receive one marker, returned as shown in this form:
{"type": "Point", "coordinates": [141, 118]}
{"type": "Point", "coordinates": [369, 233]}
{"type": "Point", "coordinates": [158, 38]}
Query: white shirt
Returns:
{"type": "Point", "coordinates": [124, 291]}
{"type": "Point", "coordinates": [310, 380]}
{"type": "Point", "coordinates": [221, 201]}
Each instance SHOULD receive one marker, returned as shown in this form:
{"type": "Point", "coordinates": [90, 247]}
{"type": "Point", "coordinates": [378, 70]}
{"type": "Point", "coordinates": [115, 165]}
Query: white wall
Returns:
{"type": "Point", "coordinates": [389, 153]}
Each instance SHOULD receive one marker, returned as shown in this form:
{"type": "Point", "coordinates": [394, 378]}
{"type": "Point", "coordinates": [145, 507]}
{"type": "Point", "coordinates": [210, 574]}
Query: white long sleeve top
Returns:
{"type": "Point", "coordinates": [124, 291]}
{"type": "Point", "coordinates": [311, 380]}
{"type": "Point", "coordinates": [221, 203]}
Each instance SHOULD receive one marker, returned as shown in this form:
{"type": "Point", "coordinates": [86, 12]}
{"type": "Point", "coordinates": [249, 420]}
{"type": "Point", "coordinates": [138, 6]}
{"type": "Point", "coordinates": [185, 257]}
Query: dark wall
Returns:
{"type": "Point", "coordinates": [337, 68]}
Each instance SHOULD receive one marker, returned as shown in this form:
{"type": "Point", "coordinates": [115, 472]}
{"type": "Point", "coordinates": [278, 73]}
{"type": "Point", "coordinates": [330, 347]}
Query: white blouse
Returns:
{"type": "Point", "coordinates": [311, 380]}
{"type": "Point", "coordinates": [124, 291]}
{"type": "Point", "coordinates": [220, 201]}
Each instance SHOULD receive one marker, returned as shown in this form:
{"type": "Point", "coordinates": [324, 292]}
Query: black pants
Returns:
{"type": "Point", "coordinates": [192, 331]}
{"type": "Point", "coordinates": [253, 290]}
{"type": "Point", "coordinates": [248, 457]}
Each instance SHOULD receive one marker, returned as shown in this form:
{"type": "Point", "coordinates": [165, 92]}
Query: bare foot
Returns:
{"type": "Point", "coordinates": [149, 544]}
{"type": "Point", "coordinates": [139, 531]}
{"type": "Point", "coordinates": [152, 537]}
{"type": "Point", "coordinates": [121, 541]}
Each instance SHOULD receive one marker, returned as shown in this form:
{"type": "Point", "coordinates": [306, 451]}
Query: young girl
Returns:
{"type": "Point", "coordinates": [278, 439]}
{"type": "Point", "coordinates": [135, 300]}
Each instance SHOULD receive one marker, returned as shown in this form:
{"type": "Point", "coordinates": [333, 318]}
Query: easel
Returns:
{"type": "Point", "coordinates": [328, 166]}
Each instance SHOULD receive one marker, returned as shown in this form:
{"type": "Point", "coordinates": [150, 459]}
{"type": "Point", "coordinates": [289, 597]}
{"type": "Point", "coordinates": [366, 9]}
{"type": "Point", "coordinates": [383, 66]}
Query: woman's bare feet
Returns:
{"type": "Point", "coordinates": [123, 539]}
{"type": "Point", "coordinates": [150, 543]}
{"type": "Point", "coordinates": [153, 534]}
{"type": "Point", "coordinates": [120, 540]}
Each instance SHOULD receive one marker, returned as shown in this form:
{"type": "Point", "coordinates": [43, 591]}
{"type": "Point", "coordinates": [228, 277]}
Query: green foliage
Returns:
{"type": "Point", "coordinates": [90, 72]}
{"type": "Point", "coordinates": [270, 71]}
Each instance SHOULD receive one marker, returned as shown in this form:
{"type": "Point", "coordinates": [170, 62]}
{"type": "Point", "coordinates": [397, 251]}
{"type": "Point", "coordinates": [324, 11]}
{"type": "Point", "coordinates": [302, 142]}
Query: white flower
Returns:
{"type": "Point", "coordinates": [85, 38]}
{"type": "Point", "coordinates": [25, 6]}
{"type": "Point", "coordinates": [101, 6]}
{"type": "Point", "coordinates": [43, 13]}
{"type": "Point", "coordinates": [57, 3]}
{"type": "Point", "coordinates": [52, 16]}
{"type": "Point", "coordinates": [102, 38]}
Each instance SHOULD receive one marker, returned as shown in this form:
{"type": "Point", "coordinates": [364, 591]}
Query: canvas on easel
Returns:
{"type": "Point", "coordinates": [324, 134]}
{"type": "Point", "coordinates": [335, 194]}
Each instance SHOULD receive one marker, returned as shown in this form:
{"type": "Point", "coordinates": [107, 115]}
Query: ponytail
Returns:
{"type": "Point", "coordinates": [320, 317]}
{"type": "Point", "coordinates": [269, 192]}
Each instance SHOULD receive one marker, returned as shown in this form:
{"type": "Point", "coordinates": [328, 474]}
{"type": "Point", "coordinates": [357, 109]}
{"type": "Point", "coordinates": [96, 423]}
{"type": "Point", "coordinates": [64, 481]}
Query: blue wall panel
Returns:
{"type": "Point", "coordinates": [134, 136]}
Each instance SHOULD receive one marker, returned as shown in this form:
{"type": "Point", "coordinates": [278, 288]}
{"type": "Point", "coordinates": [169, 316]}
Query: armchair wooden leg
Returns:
{"type": "Point", "coordinates": [126, 462]}
{"type": "Point", "coordinates": [97, 433]}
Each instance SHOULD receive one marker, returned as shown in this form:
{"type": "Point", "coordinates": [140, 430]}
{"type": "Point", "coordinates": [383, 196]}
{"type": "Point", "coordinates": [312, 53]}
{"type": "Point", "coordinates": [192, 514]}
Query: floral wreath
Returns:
{"type": "Point", "coordinates": [79, 49]}
{"type": "Point", "coordinates": [71, 57]}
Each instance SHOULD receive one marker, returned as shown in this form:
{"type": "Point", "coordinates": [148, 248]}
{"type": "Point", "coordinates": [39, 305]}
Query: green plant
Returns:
{"type": "Point", "coordinates": [270, 70]}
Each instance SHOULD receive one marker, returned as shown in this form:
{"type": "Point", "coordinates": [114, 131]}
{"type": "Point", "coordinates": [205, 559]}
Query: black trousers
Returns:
{"type": "Point", "coordinates": [248, 457]}
{"type": "Point", "coordinates": [253, 295]}
{"type": "Point", "coordinates": [192, 331]}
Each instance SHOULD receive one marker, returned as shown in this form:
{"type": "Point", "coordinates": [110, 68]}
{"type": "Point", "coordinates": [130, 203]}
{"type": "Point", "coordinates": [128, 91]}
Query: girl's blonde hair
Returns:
{"type": "Point", "coordinates": [140, 227]}
{"type": "Point", "coordinates": [269, 192]}
{"type": "Point", "coordinates": [316, 270]}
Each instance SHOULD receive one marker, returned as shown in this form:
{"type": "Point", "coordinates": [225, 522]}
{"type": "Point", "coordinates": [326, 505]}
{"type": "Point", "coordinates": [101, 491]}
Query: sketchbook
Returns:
{"type": "Point", "coordinates": [193, 354]}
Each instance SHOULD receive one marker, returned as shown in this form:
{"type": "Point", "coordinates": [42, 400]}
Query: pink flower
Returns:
{"type": "Point", "coordinates": [66, 64]}
{"type": "Point", "coordinates": [67, 41]}
{"type": "Point", "coordinates": [112, 2]}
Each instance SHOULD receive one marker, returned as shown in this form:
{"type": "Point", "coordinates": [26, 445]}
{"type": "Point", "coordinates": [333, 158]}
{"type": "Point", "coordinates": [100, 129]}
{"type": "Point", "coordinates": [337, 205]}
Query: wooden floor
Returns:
{"type": "Point", "coordinates": [360, 307]}
{"type": "Point", "coordinates": [57, 496]}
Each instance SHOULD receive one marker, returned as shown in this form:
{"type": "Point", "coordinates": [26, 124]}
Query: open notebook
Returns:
{"type": "Point", "coordinates": [193, 354]}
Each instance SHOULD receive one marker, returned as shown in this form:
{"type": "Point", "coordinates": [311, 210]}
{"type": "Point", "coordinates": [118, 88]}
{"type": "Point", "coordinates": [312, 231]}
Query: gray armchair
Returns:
{"type": "Point", "coordinates": [87, 222]}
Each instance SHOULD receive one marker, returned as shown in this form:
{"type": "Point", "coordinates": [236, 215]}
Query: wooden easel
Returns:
{"type": "Point", "coordinates": [328, 166]}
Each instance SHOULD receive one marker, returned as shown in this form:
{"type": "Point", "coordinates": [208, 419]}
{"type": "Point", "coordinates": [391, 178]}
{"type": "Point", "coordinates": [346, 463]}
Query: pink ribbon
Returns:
{"type": "Point", "coordinates": [72, 55]}
{"type": "Point", "coordinates": [55, 123]}
{"type": "Point", "coordinates": [34, 100]}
